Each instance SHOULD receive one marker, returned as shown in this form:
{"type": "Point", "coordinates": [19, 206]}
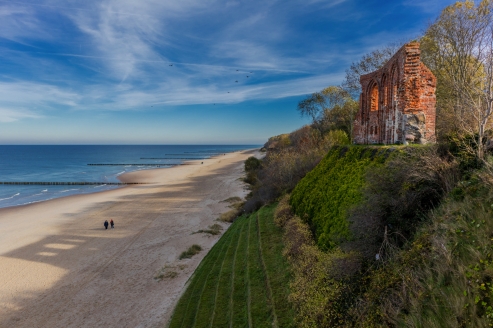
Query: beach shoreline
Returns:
{"type": "Point", "coordinates": [59, 267]}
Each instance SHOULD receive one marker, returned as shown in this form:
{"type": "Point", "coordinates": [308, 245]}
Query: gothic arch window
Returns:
{"type": "Point", "coordinates": [394, 81]}
{"type": "Point", "coordinates": [374, 97]}
{"type": "Point", "coordinates": [385, 90]}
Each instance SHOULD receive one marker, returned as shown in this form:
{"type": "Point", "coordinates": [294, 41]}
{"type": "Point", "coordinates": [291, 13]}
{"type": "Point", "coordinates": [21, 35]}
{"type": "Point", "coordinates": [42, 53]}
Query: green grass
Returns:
{"type": "Point", "coordinates": [243, 281]}
{"type": "Point", "coordinates": [324, 195]}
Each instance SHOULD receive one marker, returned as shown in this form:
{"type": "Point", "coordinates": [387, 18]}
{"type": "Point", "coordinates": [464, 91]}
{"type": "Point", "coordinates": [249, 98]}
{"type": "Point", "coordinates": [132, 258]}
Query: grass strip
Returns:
{"type": "Point", "coordinates": [184, 313]}
{"type": "Point", "coordinates": [277, 267]}
{"type": "Point", "coordinates": [264, 270]}
{"type": "Point", "coordinates": [240, 311]}
{"type": "Point", "coordinates": [260, 309]}
{"type": "Point", "coordinates": [224, 283]}
{"type": "Point", "coordinates": [242, 282]}
{"type": "Point", "coordinates": [221, 314]}
{"type": "Point", "coordinates": [207, 297]}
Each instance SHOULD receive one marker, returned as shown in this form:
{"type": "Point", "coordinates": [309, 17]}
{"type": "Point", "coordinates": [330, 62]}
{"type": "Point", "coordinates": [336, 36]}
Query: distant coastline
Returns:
{"type": "Point", "coordinates": [73, 164]}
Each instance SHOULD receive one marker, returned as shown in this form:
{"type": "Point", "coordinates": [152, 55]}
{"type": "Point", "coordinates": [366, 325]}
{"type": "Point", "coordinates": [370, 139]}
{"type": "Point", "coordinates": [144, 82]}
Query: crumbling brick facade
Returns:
{"type": "Point", "coordinates": [397, 103]}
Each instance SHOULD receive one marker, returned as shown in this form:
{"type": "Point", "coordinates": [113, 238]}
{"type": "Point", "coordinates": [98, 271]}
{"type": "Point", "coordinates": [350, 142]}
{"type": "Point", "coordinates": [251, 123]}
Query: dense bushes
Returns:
{"type": "Point", "coordinates": [388, 195]}
{"type": "Point", "coordinates": [444, 276]}
{"type": "Point", "coordinates": [323, 286]}
{"type": "Point", "coordinates": [325, 195]}
{"type": "Point", "coordinates": [252, 165]}
{"type": "Point", "coordinates": [356, 193]}
{"type": "Point", "coordinates": [288, 159]}
{"type": "Point", "coordinates": [397, 197]}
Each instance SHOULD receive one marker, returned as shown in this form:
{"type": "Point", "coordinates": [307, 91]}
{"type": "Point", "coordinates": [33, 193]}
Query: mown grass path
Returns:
{"type": "Point", "coordinates": [242, 282]}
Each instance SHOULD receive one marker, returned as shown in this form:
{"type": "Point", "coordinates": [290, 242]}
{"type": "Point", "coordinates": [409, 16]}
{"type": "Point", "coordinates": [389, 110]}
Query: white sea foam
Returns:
{"type": "Point", "coordinates": [37, 201]}
{"type": "Point", "coordinates": [68, 190]}
{"type": "Point", "coordinates": [11, 196]}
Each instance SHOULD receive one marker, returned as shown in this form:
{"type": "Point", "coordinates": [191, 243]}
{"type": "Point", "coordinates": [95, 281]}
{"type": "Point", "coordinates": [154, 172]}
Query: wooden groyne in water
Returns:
{"type": "Point", "coordinates": [54, 183]}
{"type": "Point", "coordinates": [103, 164]}
{"type": "Point", "coordinates": [197, 158]}
{"type": "Point", "coordinates": [201, 154]}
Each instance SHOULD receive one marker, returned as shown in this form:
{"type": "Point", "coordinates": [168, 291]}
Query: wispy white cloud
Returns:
{"type": "Point", "coordinates": [118, 57]}
{"type": "Point", "coordinates": [184, 94]}
{"type": "Point", "coordinates": [8, 115]}
{"type": "Point", "coordinates": [21, 100]}
{"type": "Point", "coordinates": [128, 42]}
{"type": "Point", "coordinates": [327, 3]}
{"type": "Point", "coordinates": [18, 23]}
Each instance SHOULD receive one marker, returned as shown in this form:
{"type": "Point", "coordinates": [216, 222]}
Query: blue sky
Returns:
{"type": "Point", "coordinates": [99, 72]}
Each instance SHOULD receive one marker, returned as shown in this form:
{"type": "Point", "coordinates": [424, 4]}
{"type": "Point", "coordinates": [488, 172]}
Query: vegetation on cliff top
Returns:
{"type": "Point", "coordinates": [364, 206]}
{"type": "Point", "coordinates": [324, 196]}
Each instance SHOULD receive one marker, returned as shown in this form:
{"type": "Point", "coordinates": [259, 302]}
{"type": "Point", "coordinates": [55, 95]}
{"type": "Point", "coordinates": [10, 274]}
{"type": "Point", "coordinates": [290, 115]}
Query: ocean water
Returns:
{"type": "Point", "coordinates": [70, 164]}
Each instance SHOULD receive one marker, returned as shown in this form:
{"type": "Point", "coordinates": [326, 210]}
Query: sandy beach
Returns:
{"type": "Point", "coordinates": [59, 267]}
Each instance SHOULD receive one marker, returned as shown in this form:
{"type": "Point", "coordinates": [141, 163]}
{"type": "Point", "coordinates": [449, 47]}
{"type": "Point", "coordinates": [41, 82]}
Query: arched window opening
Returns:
{"type": "Point", "coordinates": [385, 91]}
{"type": "Point", "coordinates": [394, 81]}
{"type": "Point", "coordinates": [374, 98]}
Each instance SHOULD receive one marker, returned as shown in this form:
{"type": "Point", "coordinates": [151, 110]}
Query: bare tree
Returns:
{"type": "Point", "coordinates": [330, 109]}
{"type": "Point", "coordinates": [459, 50]}
{"type": "Point", "coordinates": [367, 64]}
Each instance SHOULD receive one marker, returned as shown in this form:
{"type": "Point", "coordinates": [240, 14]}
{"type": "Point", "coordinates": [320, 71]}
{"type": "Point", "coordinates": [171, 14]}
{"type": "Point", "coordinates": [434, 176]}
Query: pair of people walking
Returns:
{"type": "Point", "coordinates": [112, 223]}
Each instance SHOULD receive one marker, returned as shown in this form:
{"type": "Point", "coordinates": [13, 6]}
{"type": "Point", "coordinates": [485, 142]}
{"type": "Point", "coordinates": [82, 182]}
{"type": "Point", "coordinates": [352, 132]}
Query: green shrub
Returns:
{"type": "Point", "coordinates": [337, 138]}
{"type": "Point", "coordinates": [397, 197]}
{"type": "Point", "coordinates": [326, 193]}
{"type": "Point", "coordinates": [191, 251]}
{"type": "Point", "coordinates": [283, 211]}
{"type": "Point", "coordinates": [320, 288]}
{"type": "Point", "coordinates": [443, 277]}
{"type": "Point", "coordinates": [252, 163]}
{"type": "Point", "coordinates": [214, 229]}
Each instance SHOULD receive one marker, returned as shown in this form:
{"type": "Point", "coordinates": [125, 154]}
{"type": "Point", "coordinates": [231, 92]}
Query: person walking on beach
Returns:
{"type": "Point", "coordinates": [112, 224]}
{"type": "Point", "coordinates": [106, 224]}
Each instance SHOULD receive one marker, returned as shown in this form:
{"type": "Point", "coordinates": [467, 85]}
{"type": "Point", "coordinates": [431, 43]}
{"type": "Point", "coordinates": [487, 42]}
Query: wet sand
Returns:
{"type": "Point", "coordinates": [59, 267]}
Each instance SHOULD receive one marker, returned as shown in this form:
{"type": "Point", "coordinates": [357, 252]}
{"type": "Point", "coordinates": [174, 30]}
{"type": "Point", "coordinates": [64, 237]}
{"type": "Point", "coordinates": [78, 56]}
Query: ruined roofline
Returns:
{"type": "Point", "coordinates": [409, 45]}
{"type": "Point", "coordinates": [397, 101]}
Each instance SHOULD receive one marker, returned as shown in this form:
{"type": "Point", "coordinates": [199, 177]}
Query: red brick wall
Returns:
{"type": "Point", "coordinates": [405, 108]}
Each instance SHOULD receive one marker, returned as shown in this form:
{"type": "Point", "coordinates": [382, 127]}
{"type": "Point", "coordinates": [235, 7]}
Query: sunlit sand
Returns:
{"type": "Point", "coordinates": [59, 267]}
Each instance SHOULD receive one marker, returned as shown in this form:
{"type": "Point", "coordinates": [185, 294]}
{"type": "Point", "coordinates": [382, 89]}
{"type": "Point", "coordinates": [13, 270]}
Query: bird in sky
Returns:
{"type": "Point", "coordinates": [247, 76]}
{"type": "Point", "coordinates": [236, 81]}
{"type": "Point", "coordinates": [171, 65]}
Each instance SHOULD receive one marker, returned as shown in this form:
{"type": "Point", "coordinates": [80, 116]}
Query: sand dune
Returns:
{"type": "Point", "coordinates": [59, 267]}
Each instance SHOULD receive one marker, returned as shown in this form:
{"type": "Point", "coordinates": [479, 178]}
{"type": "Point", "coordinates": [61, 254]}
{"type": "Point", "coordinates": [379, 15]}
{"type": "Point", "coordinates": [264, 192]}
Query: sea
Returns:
{"type": "Point", "coordinates": [86, 163]}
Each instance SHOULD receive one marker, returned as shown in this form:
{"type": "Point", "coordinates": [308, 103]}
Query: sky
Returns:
{"type": "Point", "coordinates": [182, 72]}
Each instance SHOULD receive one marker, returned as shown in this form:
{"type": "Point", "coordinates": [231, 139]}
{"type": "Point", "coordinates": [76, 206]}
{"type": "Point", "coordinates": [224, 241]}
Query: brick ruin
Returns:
{"type": "Point", "coordinates": [397, 103]}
